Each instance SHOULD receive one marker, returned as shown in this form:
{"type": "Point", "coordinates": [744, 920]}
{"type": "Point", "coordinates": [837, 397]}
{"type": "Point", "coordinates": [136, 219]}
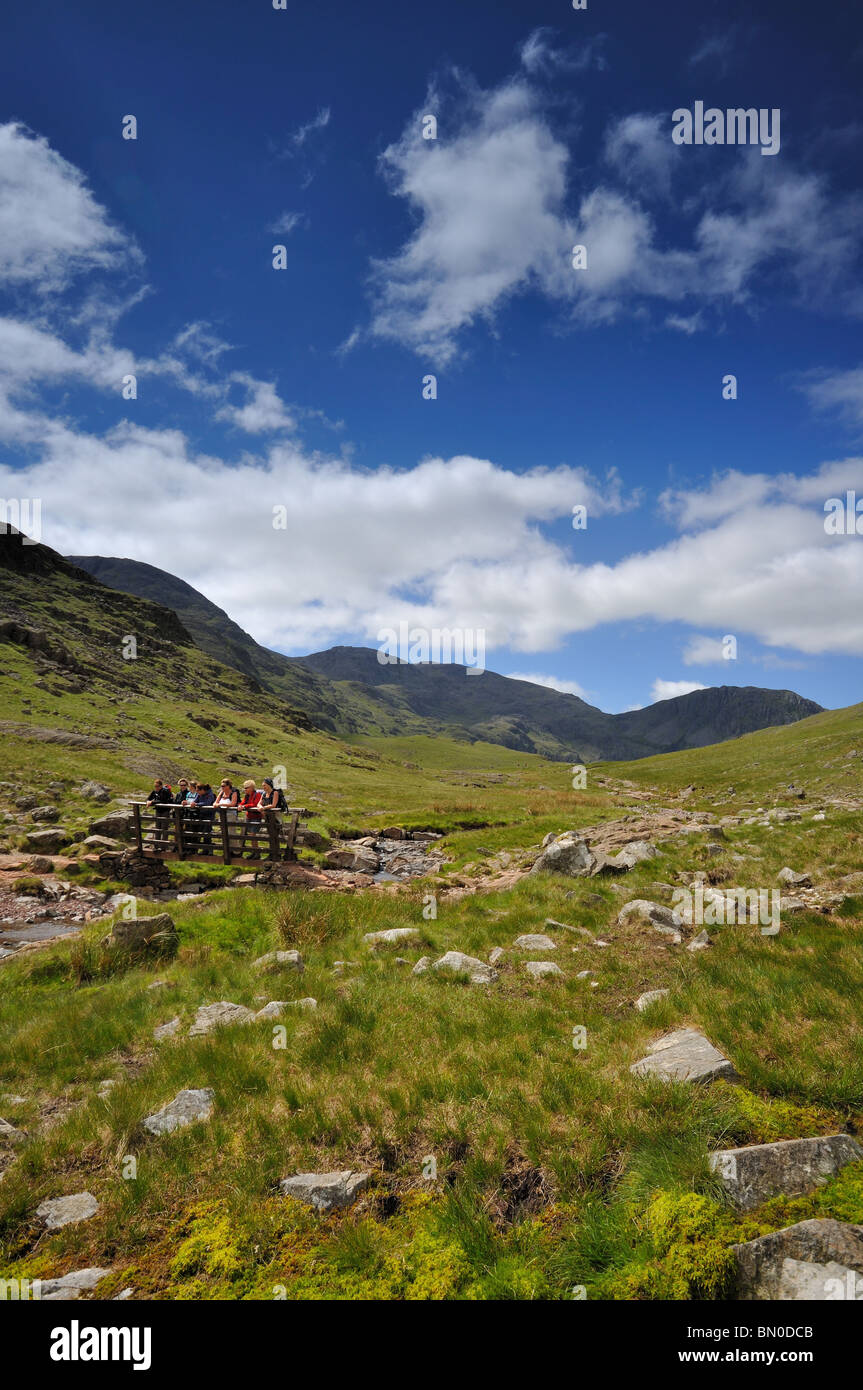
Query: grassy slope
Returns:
{"type": "Point", "coordinates": [392, 1070]}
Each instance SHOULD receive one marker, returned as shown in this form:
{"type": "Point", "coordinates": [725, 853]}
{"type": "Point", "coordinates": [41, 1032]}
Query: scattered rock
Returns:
{"type": "Point", "coordinates": [636, 852]}
{"type": "Point", "coordinates": [644, 1001]}
{"type": "Point", "coordinates": [10, 1135]}
{"type": "Point", "coordinates": [568, 854]}
{"type": "Point", "coordinates": [478, 972]}
{"type": "Point", "coordinates": [790, 1168]}
{"type": "Point", "coordinates": [212, 1016]}
{"type": "Point", "coordinates": [96, 791]}
{"type": "Point", "coordinates": [579, 931]}
{"type": "Point", "coordinates": [655, 913]}
{"type": "Point", "coordinates": [146, 933]}
{"type": "Point", "coordinates": [699, 942]}
{"type": "Point", "coordinates": [40, 865]}
{"type": "Point", "coordinates": [796, 1263]}
{"type": "Point", "coordinates": [279, 960]}
{"type": "Point", "coordinates": [187, 1108]}
{"type": "Point", "coordinates": [117, 825]}
{"type": "Point", "coordinates": [422, 966]}
{"type": "Point", "coordinates": [790, 879]}
{"type": "Point", "coordinates": [44, 814]}
{"type": "Point", "coordinates": [495, 955]}
{"type": "Point", "coordinates": [274, 1009]}
{"type": "Point", "coordinates": [166, 1030]}
{"type": "Point", "coordinates": [46, 841]}
{"type": "Point", "coordinates": [70, 1286]}
{"type": "Point", "coordinates": [685, 1055]}
{"type": "Point", "coordinates": [360, 860]}
{"type": "Point", "coordinates": [64, 1211]}
{"type": "Point", "coordinates": [394, 934]}
{"type": "Point", "coordinates": [324, 1191]}
{"type": "Point", "coordinates": [534, 941]}
{"type": "Point", "coordinates": [541, 968]}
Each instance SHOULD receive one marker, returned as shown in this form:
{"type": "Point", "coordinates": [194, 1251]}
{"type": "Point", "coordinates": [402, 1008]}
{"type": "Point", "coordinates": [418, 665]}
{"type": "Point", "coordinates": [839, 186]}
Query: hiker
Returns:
{"type": "Point", "coordinates": [204, 801]}
{"type": "Point", "coordinates": [160, 796]}
{"type": "Point", "coordinates": [253, 824]}
{"type": "Point", "coordinates": [182, 794]}
{"type": "Point", "coordinates": [273, 799]}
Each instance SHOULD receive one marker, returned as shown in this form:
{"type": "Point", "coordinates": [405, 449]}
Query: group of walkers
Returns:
{"type": "Point", "coordinates": [200, 803]}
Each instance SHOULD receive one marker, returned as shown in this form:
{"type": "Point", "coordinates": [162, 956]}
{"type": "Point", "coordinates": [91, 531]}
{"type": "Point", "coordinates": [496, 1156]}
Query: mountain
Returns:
{"type": "Point", "coordinates": [346, 690]}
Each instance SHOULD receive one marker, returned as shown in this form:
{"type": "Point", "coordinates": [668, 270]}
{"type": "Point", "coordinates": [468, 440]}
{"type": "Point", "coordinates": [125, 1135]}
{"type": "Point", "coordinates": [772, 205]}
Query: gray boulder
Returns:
{"type": "Point", "coordinates": [568, 854]}
{"type": "Point", "coordinates": [458, 963]}
{"type": "Point", "coordinates": [797, 1262]}
{"type": "Point", "coordinates": [212, 1016]}
{"type": "Point", "coordinates": [789, 879]}
{"type": "Point", "coordinates": [422, 966]}
{"type": "Point", "coordinates": [187, 1108]}
{"type": "Point", "coordinates": [324, 1191]}
{"type": "Point", "coordinates": [534, 941]}
{"type": "Point", "coordinates": [45, 814]}
{"type": "Point", "coordinates": [71, 1286]}
{"type": "Point", "coordinates": [541, 969]}
{"type": "Point", "coordinates": [65, 1211]}
{"type": "Point", "coordinates": [636, 852]}
{"type": "Point", "coordinates": [96, 791]}
{"type": "Point", "coordinates": [652, 996]}
{"type": "Point", "coordinates": [789, 1168]}
{"type": "Point", "coordinates": [117, 825]}
{"type": "Point", "coordinates": [279, 960]}
{"type": "Point", "coordinates": [167, 1030]}
{"type": "Point", "coordinates": [685, 1055]}
{"type": "Point", "coordinates": [46, 841]}
{"type": "Point", "coordinates": [360, 860]}
{"type": "Point", "coordinates": [10, 1135]}
{"type": "Point", "coordinates": [392, 936]}
{"type": "Point", "coordinates": [655, 913]}
{"type": "Point", "coordinates": [145, 933]}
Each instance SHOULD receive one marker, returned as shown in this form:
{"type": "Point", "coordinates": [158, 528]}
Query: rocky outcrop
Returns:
{"type": "Point", "coordinates": [567, 854]}
{"type": "Point", "coordinates": [818, 1260]}
{"type": "Point", "coordinates": [790, 1168]}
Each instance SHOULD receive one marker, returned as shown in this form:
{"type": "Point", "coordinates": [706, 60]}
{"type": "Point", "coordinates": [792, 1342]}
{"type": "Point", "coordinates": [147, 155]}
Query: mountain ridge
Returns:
{"type": "Point", "coordinates": [348, 691]}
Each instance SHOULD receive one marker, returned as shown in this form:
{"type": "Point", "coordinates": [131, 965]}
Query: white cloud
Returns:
{"type": "Point", "coordinates": [263, 411]}
{"type": "Point", "coordinates": [489, 203]}
{"type": "Point", "coordinates": [553, 683]}
{"type": "Point", "coordinates": [318, 122]}
{"type": "Point", "coordinates": [497, 212]}
{"type": "Point", "coordinates": [51, 227]}
{"type": "Point", "coordinates": [703, 651]}
{"type": "Point", "coordinates": [669, 690]}
{"type": "Point", "coordinates": [285, 224]}
{"type": "Point", "coordinates": [641, 151]}
{"type": "Point", "coordinates": [540, 56]}
{"type": "Point", "coordinates": [839, 391]}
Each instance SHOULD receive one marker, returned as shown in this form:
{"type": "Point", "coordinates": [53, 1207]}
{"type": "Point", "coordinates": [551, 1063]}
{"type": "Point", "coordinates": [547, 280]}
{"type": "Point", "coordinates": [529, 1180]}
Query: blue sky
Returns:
{"type": "Point", "coordinates": [260, 387]}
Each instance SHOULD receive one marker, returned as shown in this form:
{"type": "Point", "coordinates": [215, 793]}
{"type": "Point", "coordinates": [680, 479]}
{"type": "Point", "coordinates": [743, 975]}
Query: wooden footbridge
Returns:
{"type": "Point", "coordinates": [165, 831]}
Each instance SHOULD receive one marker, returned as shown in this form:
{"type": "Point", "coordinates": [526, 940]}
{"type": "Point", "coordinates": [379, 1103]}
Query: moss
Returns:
{"type": "Point", "coordinates": [763, 1120]}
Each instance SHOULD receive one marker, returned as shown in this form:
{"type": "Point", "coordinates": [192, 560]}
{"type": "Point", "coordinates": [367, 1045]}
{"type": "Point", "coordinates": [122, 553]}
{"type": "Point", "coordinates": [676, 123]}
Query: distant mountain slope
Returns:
{"type": "Point", "coordinates": [348, 691]}
{"type": "Point", "coordinates": [219, 636]}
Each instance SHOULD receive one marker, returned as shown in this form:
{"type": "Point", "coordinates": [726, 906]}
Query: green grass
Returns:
{"type": "Point", "coordinates": [556, 1168]}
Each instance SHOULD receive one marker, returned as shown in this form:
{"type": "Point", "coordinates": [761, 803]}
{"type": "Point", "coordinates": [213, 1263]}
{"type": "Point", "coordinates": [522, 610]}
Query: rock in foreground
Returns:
{"type": "Point", "coordinates": [801, 1262]}
{"type": "Point", "coordinates": [685, 1055]}
{"type": "Point", "coordinates": [790, 1168]}
{"type": "Point", "coordinates": [478, 972]}
{"type": "Point", "coordinates": [325, 1190]}
{"type": "Point", "coordinates": [187, 1108]}
{"type": "Point", "coordinates": [64, 1211]}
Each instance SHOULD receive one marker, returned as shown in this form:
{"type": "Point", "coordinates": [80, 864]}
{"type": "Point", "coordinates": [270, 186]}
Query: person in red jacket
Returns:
{"type": "Point", "coordinates": [252, 826]}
